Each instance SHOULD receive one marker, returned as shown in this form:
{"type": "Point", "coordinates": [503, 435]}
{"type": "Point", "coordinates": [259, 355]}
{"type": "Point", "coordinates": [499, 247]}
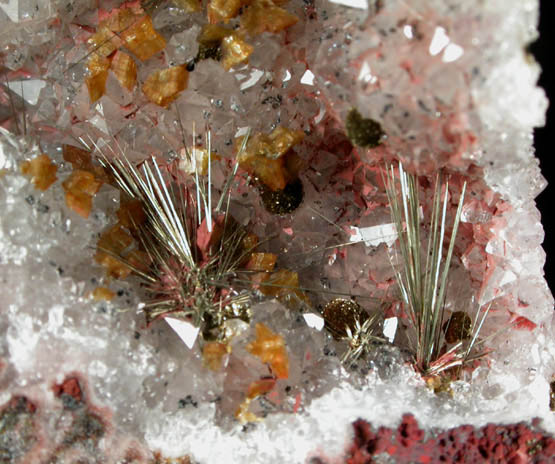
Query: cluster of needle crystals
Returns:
{"type": "Point", "coordinates": [231, 228]}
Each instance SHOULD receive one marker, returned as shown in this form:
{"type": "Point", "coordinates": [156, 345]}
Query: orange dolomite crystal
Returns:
{"type": "Point", "coordinates": [263, 156]}
{"type": "Point", "coordinates": [163, 87]}
{"type": "Point", "coordinates": [115, 240]}
{"type": "Point", "coordinates": [80, 188]}
{"type": "Point", "coordinates": [96, 82]}
{"type": "Point", "coordinates": [235, 51]}
{"type": "Point", "coordinates": [81, 160]}
{"type": "Point", "coordinates": [103, 294]}
{"type": "Point", "coordinates": [266, 16]}
{"type": "Point", "coordinates": [142, 39]}
{"type": "Point", "coordinates": [42, 171]}
{"type": "Point", "coordinates": [125, 70]}
{"type": "Point", "coordinates": [270, 348]}
{"type": "Point", "coordinates": [213, 354]}
{"type": "Point", "coordinates": [104, 42]}
{"type": "Point", "coordinates": [224, 10]}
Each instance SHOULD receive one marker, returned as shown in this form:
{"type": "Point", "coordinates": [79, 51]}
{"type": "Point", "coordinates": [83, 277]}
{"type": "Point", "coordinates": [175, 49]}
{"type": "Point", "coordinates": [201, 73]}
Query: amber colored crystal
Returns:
{"type": "Point", "coordinates": [111, 244]}
{"type": "Point", "coordinates": [163, 87]}
{"type": "Point", "coordinates": [224, 10]}
{"type": "Point", "coordinates": [250, 242]}
{"type": "Point", "coordinates": [263, 156]}
{"type": "Point", "coordinates": [125, 70]}
{"type": "Point", "coordinates": [80, 187]}
{"type": "Point", "coordinates": [96, 85]}
{"type": "Point", "coordinates": [103, 294]}
{"type": "Point", "coordinates": [280, 282]}
{"type": "Point", "coordinates": [131, 213]}
{"type": "Point", "coordinates": [190, 6]}
{"type": "Point", "coordinates": [270, 348]}
{"type": "Point", "coordinates": [458, 327]}
{"type": "Point", "coordinates": [104, 42]}
{"type": "Point", "coordinates": [262, 262]}
{"type": "Point", "coordinates": [235, 51]}
{"type": "Point", "coordinates": [213, 354]}
{"type": "Point", "coordinates": [265, 16]}
{"type": "Point", "coordinates": [82, 160]}
{"type": "Point", "coordinates": [200, 155]}
{"type": "Point", "coordinates": [96, 82]}
{"type": "Point", "coordinates": [142, 39]}
{"type": "Point", "coordinates": [284, 285]}
{"type": "Point", "coordinates": [42, 171]}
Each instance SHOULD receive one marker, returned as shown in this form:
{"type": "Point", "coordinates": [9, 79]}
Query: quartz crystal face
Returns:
{"type": "Point", "coordinates": [272, 231]}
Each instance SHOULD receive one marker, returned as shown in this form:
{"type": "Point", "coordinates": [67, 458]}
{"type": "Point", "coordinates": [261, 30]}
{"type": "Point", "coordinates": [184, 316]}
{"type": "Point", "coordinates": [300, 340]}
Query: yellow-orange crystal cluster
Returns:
{"type": "Point", "coordinates": [163, 87]}
{"type": "Point", "coordinates": [41, 170]}
{"type": "Point", "coordinates": [125, 27]}
{"type": "Point", "coordinates": [270, 348]}
{"type": "Point", "coordinates": [264, 157]}
{"type": "Point", "coordinates": [257, 16]}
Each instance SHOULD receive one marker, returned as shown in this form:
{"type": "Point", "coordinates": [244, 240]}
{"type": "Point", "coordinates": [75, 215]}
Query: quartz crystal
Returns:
{"type": "Point", "coordinates": [301, 104]}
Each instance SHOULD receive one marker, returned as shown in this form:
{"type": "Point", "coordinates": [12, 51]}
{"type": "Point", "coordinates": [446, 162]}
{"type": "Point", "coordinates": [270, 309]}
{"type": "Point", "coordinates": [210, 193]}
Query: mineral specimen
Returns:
{"type": "Point", "coordinates": [279, 117]}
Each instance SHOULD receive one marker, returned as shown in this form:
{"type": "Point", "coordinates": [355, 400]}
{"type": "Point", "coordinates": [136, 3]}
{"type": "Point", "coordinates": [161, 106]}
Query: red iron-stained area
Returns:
{"type": "Point", "coordinates": [512, 444]}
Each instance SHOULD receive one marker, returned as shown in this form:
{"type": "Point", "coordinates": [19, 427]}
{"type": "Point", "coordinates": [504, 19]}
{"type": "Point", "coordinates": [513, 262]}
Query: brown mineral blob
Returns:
{"type": "Point", "coordinates": [363, 132]}
{"type": "Point", "coordinates": [341, 313]}
{"type": "Point", "coordinates": [265, 16]}
{"type": "Point", "coordinates": [125, 70]}
{"type": "Point", "coordinates": [283, 201]}
{"type": "Point", "coordinates": [213, 354]}
{"type": "Point", "coordinates": [263, 156]}
{"type": "Point", "coordinates": [458, 327]}
{"type": "Point", "coordinates": [270, 348]}
{"type": "Point", "coordinates": [142, 39]}
{"type": "Point", "coordinates": [42, 171]}
{"type": "Point", "coordinates": [163, 87]}
{"type": "Point", "coordinates": [440, 383]}
{"type": "Point", "coordinates": [80, 187]}
{"type": "Point", "coordinates": [103, 294]}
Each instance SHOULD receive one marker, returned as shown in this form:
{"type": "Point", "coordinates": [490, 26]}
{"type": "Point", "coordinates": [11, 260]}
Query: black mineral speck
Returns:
{"type": "Point", "coordinates": [188, 400]}
{"type": "Point", "coordinates": [363, 132]}
{"type": "Point", "coordinates": [283, 201]}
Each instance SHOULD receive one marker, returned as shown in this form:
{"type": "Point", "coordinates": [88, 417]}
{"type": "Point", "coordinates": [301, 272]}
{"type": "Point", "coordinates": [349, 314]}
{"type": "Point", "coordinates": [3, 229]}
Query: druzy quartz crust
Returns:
{"type": "Point", "coordinates": [198, 257]}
